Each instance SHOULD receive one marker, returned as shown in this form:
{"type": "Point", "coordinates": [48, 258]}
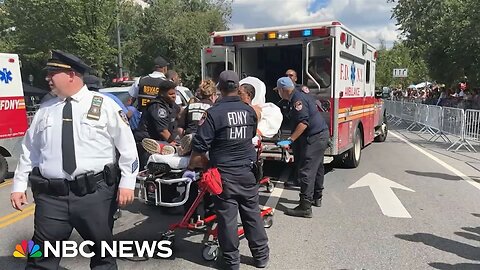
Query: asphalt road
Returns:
{"type": "Point", "coordinates": [434, 223]}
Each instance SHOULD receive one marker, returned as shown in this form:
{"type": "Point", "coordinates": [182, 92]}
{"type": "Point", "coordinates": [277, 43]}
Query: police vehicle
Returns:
{"type": "Point", "coordinates": [337, 66]}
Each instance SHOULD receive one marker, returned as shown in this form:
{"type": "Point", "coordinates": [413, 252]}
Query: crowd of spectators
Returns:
{"type": "Point", "coordinates": [459, 97]}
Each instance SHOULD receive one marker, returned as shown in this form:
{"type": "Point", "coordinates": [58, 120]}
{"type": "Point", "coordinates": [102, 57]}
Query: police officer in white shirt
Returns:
{"type": "Point", "coordinates": [80, 158]}
{"type": "Point", "coordinates": [146, 88]}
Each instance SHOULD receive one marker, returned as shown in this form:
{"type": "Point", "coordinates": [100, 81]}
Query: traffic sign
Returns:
{"type": "Point", "coordinates": [400, 72]}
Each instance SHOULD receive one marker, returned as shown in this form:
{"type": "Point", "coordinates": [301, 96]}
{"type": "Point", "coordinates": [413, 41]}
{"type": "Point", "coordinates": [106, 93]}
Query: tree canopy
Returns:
{"type": "Point", "coordinates": [445, 33]}
{"type": "Point", "coordinates": [175, 29]}
{"type": "Point", "coordinates": [399, 56]}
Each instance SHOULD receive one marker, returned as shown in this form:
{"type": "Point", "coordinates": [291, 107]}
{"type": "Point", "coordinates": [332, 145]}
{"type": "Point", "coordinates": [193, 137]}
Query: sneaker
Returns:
{"type": "Point", "coordinates": [151, 146]}
{"type": "Point", "coordinates": [185, 145]}
{"type": "Point", "coordinates": [154, 147]}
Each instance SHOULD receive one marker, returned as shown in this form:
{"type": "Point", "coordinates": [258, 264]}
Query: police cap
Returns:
{"type": "Point", "coordinates": [227, 79]}
{"type": "Point", "coordinates": [66, 61]}
{"type": "Point", "coordinates": [161, 62]}
{"type": "Point", "coordinates": [93, 82]}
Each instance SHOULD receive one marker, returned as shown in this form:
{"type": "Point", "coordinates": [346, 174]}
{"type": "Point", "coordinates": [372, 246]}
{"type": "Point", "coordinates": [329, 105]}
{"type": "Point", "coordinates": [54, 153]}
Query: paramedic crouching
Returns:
{"type": "Point", "coordinates": [226, 132]}
{"type": "Point", "coordinates": [311, 133]}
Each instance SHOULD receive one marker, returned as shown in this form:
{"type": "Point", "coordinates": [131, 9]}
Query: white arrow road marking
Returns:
{"type": "Point", "coordinates": [381, 188]}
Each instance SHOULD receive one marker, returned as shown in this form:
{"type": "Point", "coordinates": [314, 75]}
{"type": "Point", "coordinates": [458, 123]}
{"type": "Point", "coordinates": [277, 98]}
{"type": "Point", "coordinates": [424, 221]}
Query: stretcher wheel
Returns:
{"type": "Point", "coordinates": [210, 252]}
{"type": "Point", "coordinates": [267, 221]}
{"type": "Point", "coordinates": [169, 237]}
{"type": "Point", "coordinates": [270, 187]}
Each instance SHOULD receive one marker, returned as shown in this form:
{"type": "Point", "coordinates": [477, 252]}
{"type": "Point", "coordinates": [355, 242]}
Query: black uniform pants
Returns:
{"type": "Point", "coordinates": [311, 172]}
{"type": "Point", "coordinates": [91, 215]}
{"type": "Point", "coordinates": [240, 194]}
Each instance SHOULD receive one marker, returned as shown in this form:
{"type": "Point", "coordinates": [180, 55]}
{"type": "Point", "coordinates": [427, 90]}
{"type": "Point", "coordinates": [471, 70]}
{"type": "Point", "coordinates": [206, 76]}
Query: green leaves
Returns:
{"type": "Point", "coordinates": [399, 56]}
{"type": "Point", "coordinates": [445, 33]}
{"type": "Point", "coordinates": [176, 29]}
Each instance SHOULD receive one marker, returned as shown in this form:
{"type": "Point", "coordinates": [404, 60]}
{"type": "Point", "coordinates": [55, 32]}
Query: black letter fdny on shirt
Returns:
{"type": "Point", "coordinates": [237, 125]}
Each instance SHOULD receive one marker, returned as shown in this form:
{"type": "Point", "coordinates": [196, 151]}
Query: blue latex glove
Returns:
{"type": "Point", "coordinates": [189, 174]}
{"type": "Point", "coordinates": [284, 143]}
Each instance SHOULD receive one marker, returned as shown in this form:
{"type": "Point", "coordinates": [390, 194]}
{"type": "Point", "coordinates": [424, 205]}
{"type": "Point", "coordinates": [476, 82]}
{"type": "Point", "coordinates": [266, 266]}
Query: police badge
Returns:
{"type": "Point", "coordinates": [95, 108]}
{"type": "Point", "coordinates": [124, 117]}
{"type": "Point", "coordinates": [162, 113]}
{"type": "Point", "coordinates": [298, 105]}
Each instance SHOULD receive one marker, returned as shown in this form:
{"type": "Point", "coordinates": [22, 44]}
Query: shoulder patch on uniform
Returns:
{"type": "Point", "coordinates": [162, 113]}
{"type": "Point", "coordinates": [202, 120]}
{"type": "Point", "coordinates": [124, 117]}
{"type": "Point", "coordinates": [95, 108]}
{"type": "Point", "coordinates": [135, 165]}
{"type": "Point", "coordinates": [298, 105]}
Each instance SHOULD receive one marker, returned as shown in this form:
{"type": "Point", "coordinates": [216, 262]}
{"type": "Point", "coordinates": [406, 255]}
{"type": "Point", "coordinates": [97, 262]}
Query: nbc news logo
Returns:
{"type": "Point", "coordinates": [27, 249]}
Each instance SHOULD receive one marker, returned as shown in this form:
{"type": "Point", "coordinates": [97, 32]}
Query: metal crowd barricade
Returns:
{"type": "Point", "coordinates": [408, 112]}
{"type": "Point", "coordinates": [397, 113]}
{"type": "Point", "coordinates": [453, 123]}
{"type": "Point", "coordinates": [422, 117]}
{"type": "Point", "coordinates": [472, 127]}
{"type": "Point", "coordinates": [434, 123]}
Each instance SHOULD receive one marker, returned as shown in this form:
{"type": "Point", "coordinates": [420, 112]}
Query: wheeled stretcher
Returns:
{"type": "Point", "coordinates": [166, 171]}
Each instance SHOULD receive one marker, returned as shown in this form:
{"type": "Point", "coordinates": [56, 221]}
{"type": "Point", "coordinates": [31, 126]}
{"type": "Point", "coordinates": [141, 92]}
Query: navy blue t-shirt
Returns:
{"type": "Point", "coordinates": [226, 132]}
{"type": "Point", "coordinates": [304, 110]}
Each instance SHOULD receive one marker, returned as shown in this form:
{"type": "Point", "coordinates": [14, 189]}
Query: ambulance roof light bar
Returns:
{"type": "Point", "coordinates": [315, 32]}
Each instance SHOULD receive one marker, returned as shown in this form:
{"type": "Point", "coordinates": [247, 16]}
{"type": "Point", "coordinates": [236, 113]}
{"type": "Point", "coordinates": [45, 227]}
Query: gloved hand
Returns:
{"type": "Point", "coordinates": [189, 174]}
{"type": "Point", "coordinates": [284, 143]}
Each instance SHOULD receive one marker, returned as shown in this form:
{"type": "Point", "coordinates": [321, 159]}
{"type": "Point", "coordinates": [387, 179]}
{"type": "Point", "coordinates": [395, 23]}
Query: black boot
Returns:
{"type": "Point", "coordinates": [317, 200]}
{"type": "Point", "coordinates": [304, 209]}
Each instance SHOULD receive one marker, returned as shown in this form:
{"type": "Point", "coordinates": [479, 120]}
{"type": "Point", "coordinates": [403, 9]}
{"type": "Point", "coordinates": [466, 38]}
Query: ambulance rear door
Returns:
{"type": "Point", "coordinates": [216, 59]}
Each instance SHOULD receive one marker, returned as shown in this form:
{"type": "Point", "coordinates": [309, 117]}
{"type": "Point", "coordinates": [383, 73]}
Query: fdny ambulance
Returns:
{"type": "Point", "coordinates": [13, 115]}
{"type": "Point", "coordinates": [337, 66]}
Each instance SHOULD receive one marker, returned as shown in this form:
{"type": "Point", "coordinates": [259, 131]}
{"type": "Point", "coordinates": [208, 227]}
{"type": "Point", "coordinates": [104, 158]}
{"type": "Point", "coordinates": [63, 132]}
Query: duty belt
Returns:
{"type": "Point", "coordinates": [83, 184]}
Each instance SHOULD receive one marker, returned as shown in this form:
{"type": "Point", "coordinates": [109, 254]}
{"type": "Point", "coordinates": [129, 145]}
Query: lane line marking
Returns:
{"type": "Point", "coordinates": [23, 214]}
{"type": "Point", "coordinates": [439, 161]}
{"type": "Point", "coordinates": [6, 183]}
{"type": "Point", "coordinates": [16, 213]}
{"type": "Point", "coordinates": [275, 195]}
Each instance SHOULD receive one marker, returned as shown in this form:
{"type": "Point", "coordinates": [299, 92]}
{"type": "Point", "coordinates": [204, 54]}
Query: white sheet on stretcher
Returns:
{"type": "Point", "coordinates": [271, 120]}
{"type": "Point", "coordinates": [272, 117]}
{"type": "Point", "coordinates": [175, 161]}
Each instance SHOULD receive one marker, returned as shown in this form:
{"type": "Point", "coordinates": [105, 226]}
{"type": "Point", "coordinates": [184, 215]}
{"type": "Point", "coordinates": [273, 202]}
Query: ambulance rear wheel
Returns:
{"type": "Point", "coordinates": [3, 168]}
{"type": "Point", "coordinates": [383, 131]}
{"type": "Point", "coordinates": [352, 159]}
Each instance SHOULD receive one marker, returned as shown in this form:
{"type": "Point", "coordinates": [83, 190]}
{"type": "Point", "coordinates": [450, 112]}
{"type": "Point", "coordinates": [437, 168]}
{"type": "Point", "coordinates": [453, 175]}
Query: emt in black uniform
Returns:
{"type": "Point", "coordinates": [311, 132]}
{"type": "Point", "coordinates": [226, 133]}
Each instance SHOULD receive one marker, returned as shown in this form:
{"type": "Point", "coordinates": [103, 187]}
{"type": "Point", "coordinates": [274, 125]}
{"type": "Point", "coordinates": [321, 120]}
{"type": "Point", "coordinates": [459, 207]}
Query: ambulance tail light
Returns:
{"type": "Point", "coordinates": [208, 50]}
{"type": "Point", "coordinates": [307, 33]}
{"type": "Point", "coordinates": [228, 39]}
{"type": "Point", "coordinates": [336, 23]}
{"type": "Point", "coordinates": [238, 38]}
{"type": "Point", "coordinates": [343, 38]}
{"type": "Point", "coordinates": [250, 38]}
{"type": "Point", "coordinates": [375, 55]}
{"type": "Point", "coordinates": [260, 36]}
{"type": "Point", "coordinates": [272, 35]}
{"type": "Point", "coordinates": [282, 35]}
{"type": "Point", "coordinates": [296, 34]}
{"type": "Point", "coordinates": [218, 40]}
{"type": "Point", "coordinates": [11, 60]}
{"type": "Point", "coordinates": [321, 32]}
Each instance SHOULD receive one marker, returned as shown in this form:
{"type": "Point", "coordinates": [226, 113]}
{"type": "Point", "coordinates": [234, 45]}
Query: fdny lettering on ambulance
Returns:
{"type": "Point", "coordinates": [12, 104]}
{"type": "Point", "coordinates": [237, 122]}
